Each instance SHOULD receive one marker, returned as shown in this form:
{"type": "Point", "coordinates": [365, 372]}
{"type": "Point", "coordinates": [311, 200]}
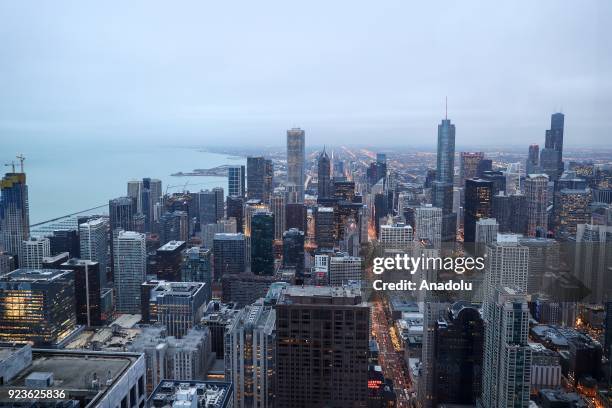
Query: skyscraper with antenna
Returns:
{"type": "Point", "coordinates": [442, 187]}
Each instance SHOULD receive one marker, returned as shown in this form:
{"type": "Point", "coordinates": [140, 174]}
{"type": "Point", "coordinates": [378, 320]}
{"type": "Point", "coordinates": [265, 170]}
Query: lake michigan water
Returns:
{"type": "Point", "coordinates": [67, 178]}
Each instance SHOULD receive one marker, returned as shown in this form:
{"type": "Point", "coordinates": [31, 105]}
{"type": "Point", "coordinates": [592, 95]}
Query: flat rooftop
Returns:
{"type": "Point", "coordinates": [171, 246]}
{"type": "Point", "coordinates": [73, 371]}
{"type": "Point", "coordinates": [337, 295]}
{"type": "Point", "coordinates": [34, 275]}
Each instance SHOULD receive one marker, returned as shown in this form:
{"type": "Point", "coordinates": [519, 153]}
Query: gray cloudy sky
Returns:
{"type": "Point", "coordinates": [373, 72]}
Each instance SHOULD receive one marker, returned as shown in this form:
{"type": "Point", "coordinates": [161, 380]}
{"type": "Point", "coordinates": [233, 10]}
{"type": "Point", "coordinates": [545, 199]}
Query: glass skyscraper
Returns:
{"type": "Point", "coordinates": [443, 185]}
{"type": "Point", "coordinates": [296, 156]}
{"type": "Point", "coordinates": [14, 212]}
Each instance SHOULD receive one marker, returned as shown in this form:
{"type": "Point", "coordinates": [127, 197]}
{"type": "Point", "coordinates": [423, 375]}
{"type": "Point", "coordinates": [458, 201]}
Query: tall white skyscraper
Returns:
{"type": "Point", "coordinates": [296, 158]}
{"type": "Point", "coordinates": [506, 265]}
{"type": "Point", "coordinates": [32, 252]}
{"type": "Point", "coordinates": [130, 257]}
{"type": "Point", "coordinates": [428, 224]}
{"type": "Point", "coordinates": [507, 358]}
{"type": "Point", "coordinates": [250, 355]}
{"type": "Point", "coordinates": [93, 243]}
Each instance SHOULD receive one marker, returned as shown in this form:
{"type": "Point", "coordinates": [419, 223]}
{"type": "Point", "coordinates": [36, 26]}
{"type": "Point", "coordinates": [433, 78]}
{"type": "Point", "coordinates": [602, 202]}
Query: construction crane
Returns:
{"type": "Point", "coordinates": [12, 164]}
{"type": "Point", "coordinates": [21, 159]}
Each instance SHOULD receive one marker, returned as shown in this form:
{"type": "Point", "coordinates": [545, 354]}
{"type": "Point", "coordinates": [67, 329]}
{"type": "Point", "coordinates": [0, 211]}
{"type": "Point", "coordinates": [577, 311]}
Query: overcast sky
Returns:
{"type": "Point", "coordinates": [372, 72]}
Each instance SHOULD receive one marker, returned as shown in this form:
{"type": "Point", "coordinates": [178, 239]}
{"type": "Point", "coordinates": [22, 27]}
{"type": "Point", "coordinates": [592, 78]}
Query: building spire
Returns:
{"type": "Point", "coordinates": [446, 109]}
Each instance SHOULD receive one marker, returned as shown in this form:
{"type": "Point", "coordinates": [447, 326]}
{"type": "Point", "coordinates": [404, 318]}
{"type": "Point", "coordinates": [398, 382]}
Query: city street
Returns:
{"type": "Point", "coordinates": [391, 361]}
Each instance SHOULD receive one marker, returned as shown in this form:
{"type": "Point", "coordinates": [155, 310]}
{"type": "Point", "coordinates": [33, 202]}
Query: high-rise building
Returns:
{"type": "Point", "coordinates": [121, 213]}
{"type": "Point", "coordinates": [293, 250]}
{"type": "Point", "coordinates": [468, 166]}
{"type": "Point", "coordinates": [235, 209]}
{"type": "Point", "coordinates": [235, 181]}
{"type": "Point", "coordinates": [277, 206]}
{"type": "Point", "coordinates": [245, 288]}
{"type": "Point", "coordinates": [484, 165]}
{"type": "Point", "coordinates": [330, 365]}
{"type": "Point", "coordinates": [14, 212]}
{"type": "Point", "coordinates": [507, 358]}
{"type": "Point", "coordinates": [510, 211]}
{"type": "Point", "coordinates": [208, 231]}
{"type": "Point", "coordinates": [533, 160]}
{"type": "Point", "coordinates": [250, 355]}
{"type": "Point", "coordinates": [536, 191]}
{"type": "Point", "coordinates": [130, 258]}
{"type": "Point", "coordinates": [323, 173]}
{"type": "Point", "coordinates": [478, 200]}
{"type": "Point", "coordinates": [167, 262]}
{"type": "Point", "coordinates": [344, 269]}
{"type": "Point", "coordinates": [428, 224]}
{"type": "Point", "coordinates": [178, 306]}
{"type": "Point", "coordinates": [260, 173]}
{"type": "Point", "coordinates": [593, 261]}
{"type": "Point", "coordinates": [295, 214]}
{"type": "Point", "coordinates": [151, 196]}
{"type": "Point", "coordinates": [197, 267]}
{"type": "Point", "coordinates": [506, 265]}
{"type": "Point", "coordinates": [33, 251]}
{"type": "Point", "coordinates": [65, 241]}
{"type": "Point", "coordinates": [570, 209]}
{"type": "Point", "coordinates": [458, 353]}
{"type": "Point", "coordinates": [93, 240]}
{"type": "Point", "coordinates": [229, 254]}
{"type": "Point", "coordinates": [262, 243]}
{"type": "Point", "coordinates": [183, 360]}
{"type": "Point", "coordinates": [485, 233]}
{"type": "Point", "coordinates": [543, 257]}
{"type": "Point", "coordinates": [7, 262]}
{"type": "Point", "coordinates": [325, 227]}
{"type": "Point", "coordinates": [217, 317]}
{"type": "Point", "coordinates": [134, 191]}
{"type": "Point", "coordinates": [37, 305]}
{"type": "Point", "coordinates": [296, 158]}
{"type": "Point", "coordinates": [554, 140]}
{"type": "Point", "coordinates": [442, 188]}
{"type": "Point", "coordinates": [211, 205]}
{"type": "Point", "coordinates": [396, 237]}
{"type": "Point", "coordinates": [498, 178]}
{"type": "Point", "coordinates": [87, 290]}
{"type": "Point", "coordinates": [174, 226]}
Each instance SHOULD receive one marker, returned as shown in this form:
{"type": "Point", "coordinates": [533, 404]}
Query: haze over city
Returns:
{"type": "Point", "coordinates": [345, 71]}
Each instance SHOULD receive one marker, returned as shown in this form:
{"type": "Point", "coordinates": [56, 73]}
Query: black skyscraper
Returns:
{"type": "Point", "coordinates": [478, 195]}
{"type": "Point", "coordinates": [87, 290]}
{"type": "Point", "coordinates": [235, 209]}
{"type": "Point", "coordinates": [554, 138]}
{"type": "Point", "coordinates": [262, 240]}
{"type": "Point", "coordinates": [458, 355]}
{"type": "Point", "coordinates": [324, 169]}
{"type": "Point", "coordinates": [293, 250]}
{"type": "Point", "coordinates": [121, 213]}
{"type": "Point", "coordinates": [259, 178]}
